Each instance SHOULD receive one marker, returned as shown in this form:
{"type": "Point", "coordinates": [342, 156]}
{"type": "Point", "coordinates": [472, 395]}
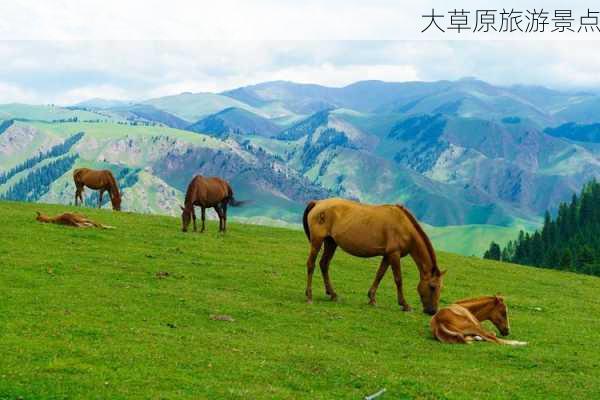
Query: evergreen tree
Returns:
{"type": "Point", "coordinates": [565, 259]}
{"type": "Point", "coordinates": [571, 241]}
{"type": "Point", "coordinates": [494, 252]}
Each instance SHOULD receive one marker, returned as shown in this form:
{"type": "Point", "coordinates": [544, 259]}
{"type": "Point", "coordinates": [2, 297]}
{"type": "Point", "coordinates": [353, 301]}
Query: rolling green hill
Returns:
{"type": "Point", "coordinates": [467, 157]}
{"type": "Point", "coordinates": [84, 314]}
{"type": "Point", "coordinates": [46, 113]}
{"type": "Point", "coordinates": [194, 106]}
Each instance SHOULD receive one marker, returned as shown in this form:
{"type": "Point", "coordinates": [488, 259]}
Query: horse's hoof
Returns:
{"type": "Point", "coordinates": [309, 301]}
{"type": "Point", "coordinates": [334, 297]}
{"type": "Point", "coordinates": [407, 308]}
{"type": "Point", "coordinates": [372, 303]}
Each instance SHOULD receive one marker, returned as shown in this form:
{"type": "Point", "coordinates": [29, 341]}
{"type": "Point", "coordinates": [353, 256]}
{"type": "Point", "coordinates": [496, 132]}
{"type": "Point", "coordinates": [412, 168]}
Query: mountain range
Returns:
{"type": "Point", "coordinates": [465, 156]}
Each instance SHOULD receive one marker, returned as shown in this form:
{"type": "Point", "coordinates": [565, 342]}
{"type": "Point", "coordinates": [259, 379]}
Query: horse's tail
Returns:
{"type": "Point", "coordinates": [232, 201]}
{"type": "Point", "coordinates": [76, 173]}
{"type": "Point", "coordinates": [309, 207]}
{"type": "Point", "coordinates": [511, 342]}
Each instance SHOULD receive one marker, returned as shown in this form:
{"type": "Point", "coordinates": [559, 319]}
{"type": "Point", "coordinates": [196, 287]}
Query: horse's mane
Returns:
{"type": "Point", "coordinates": [423, 235]}
{"type": "Point", "coordinates": [190, 191]}
{"type": "Point", "coordinates": [114, 184]}
{"type": "Point", "coordinates": [479, 300]}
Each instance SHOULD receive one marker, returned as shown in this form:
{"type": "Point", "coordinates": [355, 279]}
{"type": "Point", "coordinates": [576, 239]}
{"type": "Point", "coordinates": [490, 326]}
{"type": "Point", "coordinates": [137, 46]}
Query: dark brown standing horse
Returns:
{"type": "Point", "coordinates": [101, 180]}
{"type": "Point", "coordinates": [207, 192]}
{"type": "Point", "coordinates": [365, 230]}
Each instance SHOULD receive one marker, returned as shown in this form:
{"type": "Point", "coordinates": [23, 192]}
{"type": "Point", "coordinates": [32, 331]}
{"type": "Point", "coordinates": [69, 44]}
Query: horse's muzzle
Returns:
{"type": "Point", "coordinates": [430, 311]}
{"type": "Point", "coordinates": [504, 332]}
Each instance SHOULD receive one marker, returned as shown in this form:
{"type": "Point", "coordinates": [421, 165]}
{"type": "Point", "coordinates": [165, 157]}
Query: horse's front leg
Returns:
{"type": "Point", "coordinates": [100, 194]}
{"type": "Point", "coordinates": [203, 218]}
{"type": "Point", "coordinates": [383, 266]}
{"type": "Point", "coordinates": [194, 217]}
{"type": "Point", "coordinates": [395, 262]}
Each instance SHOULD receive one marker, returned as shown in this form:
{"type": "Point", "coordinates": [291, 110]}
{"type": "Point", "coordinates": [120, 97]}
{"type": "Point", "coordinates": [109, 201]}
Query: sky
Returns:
{"type": "Point", "coordinates": [66, 51]}
{"type": "Point", "coordinates": [66, 72]}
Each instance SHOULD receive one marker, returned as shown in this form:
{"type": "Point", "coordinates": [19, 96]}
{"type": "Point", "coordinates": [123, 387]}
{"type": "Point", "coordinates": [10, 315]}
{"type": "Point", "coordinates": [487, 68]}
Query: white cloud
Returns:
{"type": "Point", "coordinates": [79, 94]}
{"type": "Point", "coordinates": [10, 93]}
{"type": "Point", "coordinates": [64, 72]}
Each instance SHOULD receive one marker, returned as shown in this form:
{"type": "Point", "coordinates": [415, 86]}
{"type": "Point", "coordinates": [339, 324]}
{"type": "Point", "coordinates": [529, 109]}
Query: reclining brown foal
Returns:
{"type": "Point", "coordinates": [460, 322]}
{"type": "Point", "coordinates": [71, 219]}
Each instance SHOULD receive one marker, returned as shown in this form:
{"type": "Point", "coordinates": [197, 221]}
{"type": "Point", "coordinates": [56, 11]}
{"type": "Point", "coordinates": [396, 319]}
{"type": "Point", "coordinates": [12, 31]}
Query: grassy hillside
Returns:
{"type": "Point", "coordinates": [84, 315]}
{"type": "Point", "coordinates": [193, 106]}
{"type": "Point", "coordinates": [474, 239]}
{"type": "Point", "coordinates": [45, 112]}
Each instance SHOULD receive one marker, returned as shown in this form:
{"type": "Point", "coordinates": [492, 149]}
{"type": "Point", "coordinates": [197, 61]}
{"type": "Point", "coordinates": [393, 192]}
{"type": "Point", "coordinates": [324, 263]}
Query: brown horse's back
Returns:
{"type": "Point", "coordinates": [207, 191]}
{"type": "Point", "coordinates": [361, 230]}
{"type": "Point", "coordinates": [94, 179]}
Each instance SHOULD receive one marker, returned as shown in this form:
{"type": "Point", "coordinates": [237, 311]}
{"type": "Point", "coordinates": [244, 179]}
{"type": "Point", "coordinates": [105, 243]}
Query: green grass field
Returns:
{"type": "Point", "coordinates": [83, 315]}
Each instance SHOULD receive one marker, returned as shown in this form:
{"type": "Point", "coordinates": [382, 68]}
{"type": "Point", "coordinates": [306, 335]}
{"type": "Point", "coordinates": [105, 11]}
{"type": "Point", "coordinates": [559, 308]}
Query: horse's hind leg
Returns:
{"type": "Point", "coordinates": [395, 262]}
{"type": "Point", "coordinates": [328, 252]}
{"type": "Point", "coordinates": [446, 335]}
{"type": "Point", "coordinates": [315, 247]}
{"type": "Point", "coordinates": [483, 334]}
{"type": "Point", "coordinates": [78, 191]}
{"type": "Point", "coordinates": [220, 214]}
{"type": "Point", "coordinates": [224, 208]}
{"type": "Point", "coordinates": [383, 266]}
{"type": "Point", "coordinates": [203, 218]}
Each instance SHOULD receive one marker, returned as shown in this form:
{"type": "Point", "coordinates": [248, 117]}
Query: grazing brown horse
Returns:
{"type": "Point", "coordinates": [101, 180]}
{"type": "Point", "coordinates": [364, 230]}
{"type": "Point", "coordinates": [71, 219]}
{"type": "Point", "coordinates": [207, 192]}
{"type": "Point", "coordinates": [461, 322]}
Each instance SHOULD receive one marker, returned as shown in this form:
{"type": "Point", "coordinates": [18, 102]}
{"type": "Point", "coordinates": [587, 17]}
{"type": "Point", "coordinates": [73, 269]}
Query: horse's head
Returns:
{"type": "Point", "coordinates": [186, 217]}
{"type": "Point", "coordinates": [429, 289]}
{"type": "Point", "coordinates": [499, 316]}
{"type": "Point", "coordinates": [116, 201]}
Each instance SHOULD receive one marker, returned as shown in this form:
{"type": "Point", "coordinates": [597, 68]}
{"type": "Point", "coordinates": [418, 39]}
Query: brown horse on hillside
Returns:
{"type": "Point", "coordinates": [460, 322]}
{"type": "Point", "coordinates": [364, 230]}
{"type": "Point", "coordinates": [71, 219]}
{"type": "Point", "coordinates": [207, 192]}
{"type": "Point", "coordinates": [101, 180]}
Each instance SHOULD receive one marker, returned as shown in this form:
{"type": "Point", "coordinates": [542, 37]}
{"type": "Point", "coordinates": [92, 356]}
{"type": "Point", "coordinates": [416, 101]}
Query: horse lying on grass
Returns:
{"type": "Point", "coordinates": [71, 219]}
{"type": "Point", "coordinates": [460, 322]}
